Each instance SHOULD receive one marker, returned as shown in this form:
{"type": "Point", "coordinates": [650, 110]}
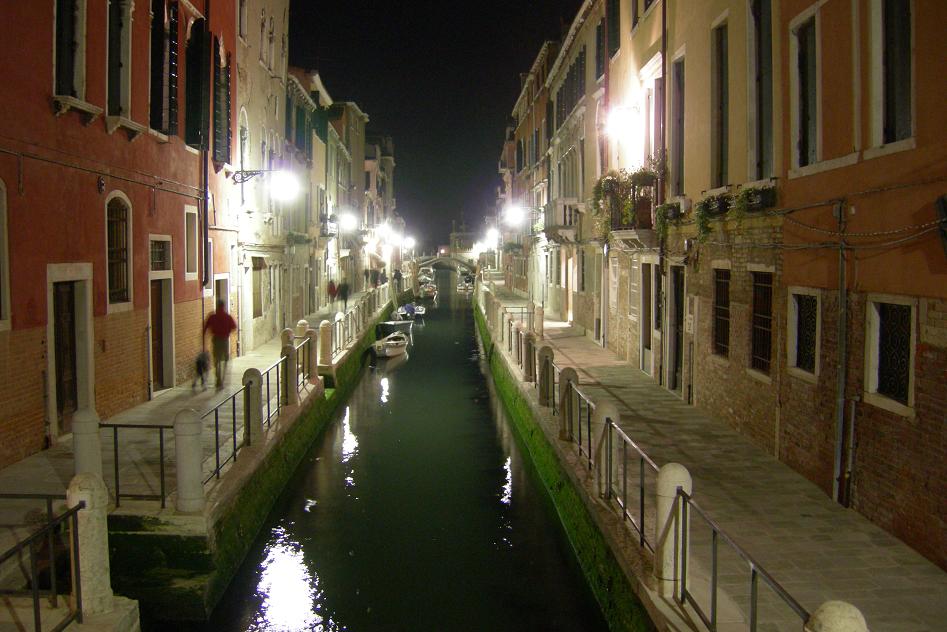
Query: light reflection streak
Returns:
{"type": "Point", "coordinates": [349, 440]}
{"type": "Point", "coordinates": [384, 390]}
{"type": "Point", "coordinates": [288, 590]}
{"type": "Point", "coordinates": [507, 496]}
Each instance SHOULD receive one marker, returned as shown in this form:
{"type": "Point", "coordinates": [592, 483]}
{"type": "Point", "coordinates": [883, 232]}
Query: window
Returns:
{"type": "Point", "coordinates": [807, 94]}
{"type": "Point", "coordinates": [762, 60]}
{"type": "Point", "coordinates": [677, 128]}
{"type": "Point", "coordinates": [197, 87]}
{"type": "Point", "coordinates": [163, 114]}
{"type": "Point", "coordinates": [635, 16]}
{"type": "Point", "coordinates": [613, 19]}
{"type": "Point", "coordinates": [658, 298]}
{"type": "Point", "coordinates": [117, 233]}
{"type": "Point", "coordinates": [804, 330]}
{"type": "Point", "coordinates": [223, 136]}
{"type": "Point", "coordinates": [259, 265]}
{"type": "Point", "coordinates": [720, 113]}
{"type": "Point", "coordinates": [600, 49]}
{"type": "Point", "coordinates": [119, 58]}
{"type": "Point", "coordinates": [761, 335]}
{"type": "Point", "coordinates": [242, 19]}
{"type": "Point", "coordinates": [271, 43]}
{"type": "Point", "coordinates": [721, 340]}
{"type": "Point", "coordinates": [582, 270]}
{"type": "Point", "coordinates": [896, 63]}
{"type": "Point", "coordinates": [190, 243]}
{"type": "Point", "coordinates": [70, 48]}
{"type": "Point", "coordinates": [160, 255]}
{"type": "Point", "coordinates": [4, 261]}
{"type": "Point", "coordinates": [890, 344]}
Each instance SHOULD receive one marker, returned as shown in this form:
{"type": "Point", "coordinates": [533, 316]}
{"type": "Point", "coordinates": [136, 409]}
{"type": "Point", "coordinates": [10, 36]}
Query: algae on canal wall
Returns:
{"type": "Point", "coordinates": [620, 606]}
{"type": "Point", "coordinates": [180, 576]}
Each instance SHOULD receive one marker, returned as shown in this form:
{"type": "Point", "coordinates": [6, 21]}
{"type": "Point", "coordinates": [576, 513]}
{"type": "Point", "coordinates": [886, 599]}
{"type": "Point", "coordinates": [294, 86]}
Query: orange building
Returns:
{"type": "Point", "coordinates": [114, 156]}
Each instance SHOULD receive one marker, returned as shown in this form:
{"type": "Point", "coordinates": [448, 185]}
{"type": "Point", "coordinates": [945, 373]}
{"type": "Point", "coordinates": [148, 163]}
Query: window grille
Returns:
{"type": "Point", "coordinates": [722, 312]}
{"type": "Point", "coordinates": [807, 315]}
{"type": "Point", "coordinates": [762, 327]}
{"type": "Point", "coordinates": [160, 255]}
{"type": "Point", "coordinates": [117, 229]}
{"type": "Point", "coordinates": [894, 350]}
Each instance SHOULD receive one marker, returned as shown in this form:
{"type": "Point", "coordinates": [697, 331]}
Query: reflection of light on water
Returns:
{"type": "Point", "coordinates": [507, 496]}
{"type": "Point", "coordinates": [289, 592]}
{"type": "Point", "coordinates": [349, 440]}
{"type": "Point", "coordinates": [309, 504]}
{"type": "Point", "coordinates": [384, 390]}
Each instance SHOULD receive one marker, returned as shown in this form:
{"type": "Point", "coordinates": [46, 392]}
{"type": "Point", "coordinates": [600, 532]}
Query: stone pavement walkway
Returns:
{"type": "Point", "coordinates": [817, 549]}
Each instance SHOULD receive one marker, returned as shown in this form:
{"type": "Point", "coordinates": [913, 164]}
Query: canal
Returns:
{"type": "Point", "coordinates": [416, 510]}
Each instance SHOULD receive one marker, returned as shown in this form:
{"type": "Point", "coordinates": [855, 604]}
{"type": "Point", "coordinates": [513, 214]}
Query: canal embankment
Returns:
{"type": "Point", "coordinates": [745, 542]}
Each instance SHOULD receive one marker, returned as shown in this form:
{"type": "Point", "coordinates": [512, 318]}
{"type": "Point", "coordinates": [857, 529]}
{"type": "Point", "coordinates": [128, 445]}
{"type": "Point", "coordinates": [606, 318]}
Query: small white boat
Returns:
{"type": "Point", "coordinates": [428, 291]}
{"type": "Point", "coordinates": [392, 345]}
{"type": "Point", "coordinates": [424, 279]}
{"type": "Point", "coordinates": [406, 313]}
{"type": "Point", "coordinates": [464, 287]}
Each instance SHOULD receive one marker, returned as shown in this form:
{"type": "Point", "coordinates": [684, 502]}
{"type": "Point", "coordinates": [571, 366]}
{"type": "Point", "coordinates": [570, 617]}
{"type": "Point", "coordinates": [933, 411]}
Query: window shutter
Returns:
{"type": "Point", "coordinates": [114, 92]}
{"type": "Point", "coordinates": [172, 102]}
{"type": "Point", "coordinates": [156, 108]}
{"type": "Point", "coordinates": [220, 135]}
{"type": "Point", "coordinates": [66, 46]}
{"type": "Point", "coordinates": [228, 75]}
{"type": "Point", "coordinates": [197, 87]}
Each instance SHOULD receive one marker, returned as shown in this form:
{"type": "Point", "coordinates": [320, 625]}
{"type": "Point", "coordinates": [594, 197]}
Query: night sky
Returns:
{"type": "Point", "coordinates": [440, 77]}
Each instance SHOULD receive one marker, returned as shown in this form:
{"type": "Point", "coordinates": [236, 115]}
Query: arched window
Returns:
{"type": "Point", "coordinates": [242, 18]}
{"type": "Point", "coordinates": [118, 223]}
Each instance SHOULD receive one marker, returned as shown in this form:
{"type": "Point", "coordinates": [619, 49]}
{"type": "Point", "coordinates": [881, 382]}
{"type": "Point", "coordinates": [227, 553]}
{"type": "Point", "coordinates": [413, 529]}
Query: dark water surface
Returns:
{"type": "Point", "coordinates": [414, 511]}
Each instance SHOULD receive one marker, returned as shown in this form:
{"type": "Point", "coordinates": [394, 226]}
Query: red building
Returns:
{"type": "Point", "coordinates": [114, 152]}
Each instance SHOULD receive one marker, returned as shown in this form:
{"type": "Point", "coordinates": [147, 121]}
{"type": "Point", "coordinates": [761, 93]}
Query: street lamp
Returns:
{"type": "Point", "coordinates": [284, 186]}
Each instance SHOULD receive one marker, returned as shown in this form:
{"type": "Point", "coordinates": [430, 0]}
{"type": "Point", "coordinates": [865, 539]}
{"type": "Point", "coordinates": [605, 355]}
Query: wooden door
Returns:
{"type": "Point", "coordinates": [64, 328]}
{"type": "Point", "coordinates": [157, 336]}
{"type": "Point", "coordinates": [677, 327]}
{"type": "Point", "coordinates": [645, 326]}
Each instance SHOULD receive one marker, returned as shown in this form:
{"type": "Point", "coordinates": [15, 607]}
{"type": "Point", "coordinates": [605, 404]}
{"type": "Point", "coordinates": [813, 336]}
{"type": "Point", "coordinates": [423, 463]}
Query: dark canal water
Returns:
{"type": "Point", "coordinates": [415, 511]}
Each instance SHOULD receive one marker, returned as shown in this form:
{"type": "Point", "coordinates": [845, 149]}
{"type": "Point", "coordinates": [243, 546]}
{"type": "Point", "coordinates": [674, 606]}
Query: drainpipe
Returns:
{"type": "Point", "coordinates": [842, 376]}
{"type": "Point", "coordinates": [663, 104]}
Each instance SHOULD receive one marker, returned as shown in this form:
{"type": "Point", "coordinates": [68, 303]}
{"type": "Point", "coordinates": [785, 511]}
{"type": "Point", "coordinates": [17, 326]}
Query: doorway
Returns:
{"type": "Point", "coordinates": [65, 350]}
{"type": "Point", "coordinates": [647, 273]}
{"type": "Point", "coordinates": [570, 286]}
{"type": "Point", "coordinates": [161, 341]}
{"type": "Point", "coordinates": [676, 326]}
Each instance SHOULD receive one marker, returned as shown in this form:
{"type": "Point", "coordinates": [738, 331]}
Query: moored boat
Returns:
{"type": "Point", "coordinates": [392, 345]}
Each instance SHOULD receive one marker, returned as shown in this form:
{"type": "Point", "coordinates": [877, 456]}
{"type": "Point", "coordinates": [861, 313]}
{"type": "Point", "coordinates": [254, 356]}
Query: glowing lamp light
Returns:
{"type": "Point", "coordinates": [409, 242]}
{"type": "Point", "coordinates": [348, 222]}
{"type": "Point", "coordinates": [284, 186]}
{"type": "Point", "coordinates": [386, 251]}
{"type": "Point", "coordinates": [514, 215]}
{"type": "Point", "coordinates": [493, 235]}
{"type": "Point", "coordinates": [444, 250]}
{"type": "Point", "coordinates": [620, 122]}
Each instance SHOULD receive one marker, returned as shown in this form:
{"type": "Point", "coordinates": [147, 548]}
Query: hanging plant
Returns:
{"type": "Point", "coordinates": [664, 214]}
{"type": "Point", "coordinates": [702, 219]}
{"type": "Point", "coordinates": [754, 199]}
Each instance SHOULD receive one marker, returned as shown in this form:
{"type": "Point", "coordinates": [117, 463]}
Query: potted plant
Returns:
{"type": "Point", "coordinates": [754, 199]}
{"type": "Point", "coordinates": [717, 204]}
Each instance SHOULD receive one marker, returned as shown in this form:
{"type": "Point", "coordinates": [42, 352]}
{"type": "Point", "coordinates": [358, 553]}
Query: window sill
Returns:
{"type": "Point", "coordinates": [720, 360]}
{"type": "Point", "coordinates": [118, 308]}
{"type": "Point", "coordinates": [802, 374]}
{"type": "Point", "coordinates": [132, 129]}
{"type": "Point", "coordinates": [759, 376]}
{"type": "Point", "coordinates": [824, 165]}
{"type": "Point", "coordinates": [886, 403]}
{"type": "Point", "coordinates": [64, 103]}
{"type": "Point", "coordinates": [162, 137]}
{"type": "Point", "coordinates": [890, 148]}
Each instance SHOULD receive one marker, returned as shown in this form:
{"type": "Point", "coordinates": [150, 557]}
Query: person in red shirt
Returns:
{"type": "Point", "coordinates": [221, 325]}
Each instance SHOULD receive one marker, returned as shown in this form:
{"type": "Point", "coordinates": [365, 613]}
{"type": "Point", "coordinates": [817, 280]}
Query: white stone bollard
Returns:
{"type": "Point", "coordinates": [545, 375]}
{"type": "Point", "coordinates": [188, 456]}
{"type": "Point", "coordinates": [290, 378]}
{"type": "Point", "coordinates": [529, 357]}
{"type": "Point", "coordinates": [325, 343]}
{"type": "Point", "coordinates": [668, 552]}
{"type": "Point", "coordinates": [86, 442]}
{"type": "Point", "coordinates": [287, 336]}
{"type": "Point", "coordinates": [836, 616]}
{"type": "Point", "coordinates": [538, 316]}
{"type": "Point", "coordinates": [567, 376]}
{"type": "Point", "coordinates": [603, 410]}
{"type": "Point", "coordinates": [252, 406]}
{"type": "Point", "coordinates": [302, 326]}
{"type": "Point", "coordinates": [531, 307]}
{"type": "Point", "coordinates": [95, 576]}
{"type": "Point", "coordinates": [312, 356]}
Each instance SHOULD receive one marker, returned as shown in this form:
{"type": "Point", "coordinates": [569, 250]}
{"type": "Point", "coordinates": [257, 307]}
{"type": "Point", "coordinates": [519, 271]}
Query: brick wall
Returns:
{"type": "Point", "coordinates": [188, 324]}
{"type": "Point", "coordinates": [122, 348]}
{"type": "Point", "coordinates": [22, 384]}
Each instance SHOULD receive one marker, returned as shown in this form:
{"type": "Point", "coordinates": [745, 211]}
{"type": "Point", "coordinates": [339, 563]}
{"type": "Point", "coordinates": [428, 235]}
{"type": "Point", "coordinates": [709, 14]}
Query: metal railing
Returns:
{"type": "Point", "coordinates": [237, 444]}
{"type": "Point", "coordinates": [756, 570]}
{"type": "Point", "coordinates": [116, 450]}
{"type": "Point", "coordinates": [303, 352]}
{"type": "Point", "coordinates": [583, 407]}
{"type": "Point", "coordinates": [270, 376]}
{"type": "Point", "coordinates": [54, 526]}
{"type": "Point", "coordinates": [617, 469]}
